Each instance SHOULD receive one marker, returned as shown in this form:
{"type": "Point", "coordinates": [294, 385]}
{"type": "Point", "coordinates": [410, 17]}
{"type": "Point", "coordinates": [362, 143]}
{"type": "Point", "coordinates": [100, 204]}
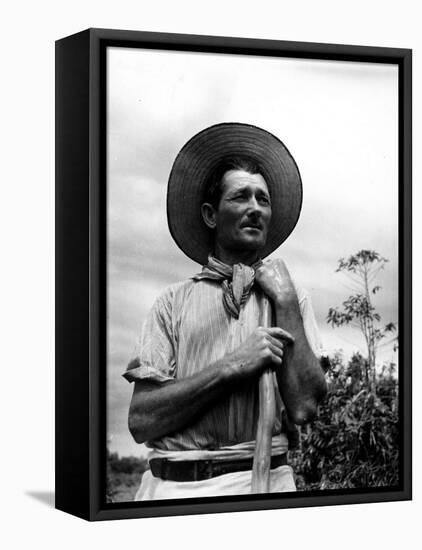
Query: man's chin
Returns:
{"type": "Point", "coordinates": [251, 245]}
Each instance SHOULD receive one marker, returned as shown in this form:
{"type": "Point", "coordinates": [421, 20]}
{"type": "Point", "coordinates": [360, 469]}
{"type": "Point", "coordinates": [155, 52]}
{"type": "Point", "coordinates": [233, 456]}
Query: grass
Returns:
{"type": "Point", "coordinates": [122, 487]}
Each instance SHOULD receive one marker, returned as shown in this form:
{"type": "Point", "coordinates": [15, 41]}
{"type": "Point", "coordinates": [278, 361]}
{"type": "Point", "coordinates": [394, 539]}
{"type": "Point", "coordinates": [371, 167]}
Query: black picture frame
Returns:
{"type": "Point", "coordinates": [81, 276]}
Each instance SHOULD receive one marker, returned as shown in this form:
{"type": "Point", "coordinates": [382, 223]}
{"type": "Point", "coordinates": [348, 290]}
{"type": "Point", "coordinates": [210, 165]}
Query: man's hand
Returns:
{"type": "Point", "coordinates": [263, 349]}
{"type": "Point", "coordinates": [274, 279]}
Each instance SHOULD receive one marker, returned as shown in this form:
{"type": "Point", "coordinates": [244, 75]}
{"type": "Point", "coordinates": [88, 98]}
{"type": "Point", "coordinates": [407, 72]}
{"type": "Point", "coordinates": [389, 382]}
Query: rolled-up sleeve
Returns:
{"type": "Point", "coordinates": [154, 354]}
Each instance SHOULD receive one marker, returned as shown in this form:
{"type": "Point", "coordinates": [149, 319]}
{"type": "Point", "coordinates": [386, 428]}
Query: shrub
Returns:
{"type": "Point", "coordinates": [354, 441]}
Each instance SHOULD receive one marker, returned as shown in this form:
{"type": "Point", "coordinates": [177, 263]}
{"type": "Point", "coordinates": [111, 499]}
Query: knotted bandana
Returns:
{"type": "Point", "coordinates": [237, 282]}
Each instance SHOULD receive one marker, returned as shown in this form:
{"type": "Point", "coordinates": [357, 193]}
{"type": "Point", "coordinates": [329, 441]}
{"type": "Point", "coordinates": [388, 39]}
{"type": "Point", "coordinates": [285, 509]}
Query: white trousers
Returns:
{"type": "Point", "coordinates": [236, 483]}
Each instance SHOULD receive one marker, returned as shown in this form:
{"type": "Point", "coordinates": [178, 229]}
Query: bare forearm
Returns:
{"type": "Point", "coordinates": [301, 379]}
{"type": "Point", "coordinates": [159, 410]}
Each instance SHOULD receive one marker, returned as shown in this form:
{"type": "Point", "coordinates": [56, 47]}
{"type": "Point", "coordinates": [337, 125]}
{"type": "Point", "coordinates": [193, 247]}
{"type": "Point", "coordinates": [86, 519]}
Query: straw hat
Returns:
{"type": "Point", "coordinates": [199, 158]}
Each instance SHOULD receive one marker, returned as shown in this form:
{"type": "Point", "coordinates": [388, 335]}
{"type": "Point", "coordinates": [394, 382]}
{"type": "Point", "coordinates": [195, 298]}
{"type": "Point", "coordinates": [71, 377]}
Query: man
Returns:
{"type": "Point", "coordinates": [234, 196]}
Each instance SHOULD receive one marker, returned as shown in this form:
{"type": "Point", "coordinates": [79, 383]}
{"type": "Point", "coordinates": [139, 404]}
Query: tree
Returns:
{"type": "Point", "coordinates": [358, 309]}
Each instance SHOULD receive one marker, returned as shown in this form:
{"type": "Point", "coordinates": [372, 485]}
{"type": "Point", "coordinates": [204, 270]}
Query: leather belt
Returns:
{"type": "Point", "coordinates": [197, 470]}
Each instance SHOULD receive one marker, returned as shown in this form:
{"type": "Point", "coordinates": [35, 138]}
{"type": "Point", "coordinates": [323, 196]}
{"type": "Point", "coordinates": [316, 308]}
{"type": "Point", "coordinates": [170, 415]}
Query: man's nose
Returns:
{"type": "Point", "coordinates": [254, 205]}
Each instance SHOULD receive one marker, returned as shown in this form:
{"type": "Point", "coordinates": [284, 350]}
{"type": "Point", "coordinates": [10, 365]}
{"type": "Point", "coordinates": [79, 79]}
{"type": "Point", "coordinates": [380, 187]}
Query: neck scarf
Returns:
{"type": "Point", "coordinates": [236, 282]}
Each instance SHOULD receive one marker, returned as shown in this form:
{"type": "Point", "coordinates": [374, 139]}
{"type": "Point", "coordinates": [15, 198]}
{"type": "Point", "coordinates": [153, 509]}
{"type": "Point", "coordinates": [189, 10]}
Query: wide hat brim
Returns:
{"type": "Point", "coordinates": [200, 156]}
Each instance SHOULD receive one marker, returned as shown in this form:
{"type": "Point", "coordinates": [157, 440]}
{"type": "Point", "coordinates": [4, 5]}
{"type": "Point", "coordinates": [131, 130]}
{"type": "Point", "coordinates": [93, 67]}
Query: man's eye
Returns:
{"type": "Point", "coordinates": [264, 200]}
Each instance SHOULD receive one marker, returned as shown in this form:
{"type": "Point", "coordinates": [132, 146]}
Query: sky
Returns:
{"type": "Point", "coordinates": [338, 119]}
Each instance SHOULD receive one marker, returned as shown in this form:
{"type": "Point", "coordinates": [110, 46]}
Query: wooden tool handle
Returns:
{"type": "Point", "coordinates": [266, 419]}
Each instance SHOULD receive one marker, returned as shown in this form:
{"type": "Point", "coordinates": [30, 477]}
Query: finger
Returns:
{"type": "Point", "coordinates": [264, 268]}
{"type": "Point", "coordinates": [277, 342]}
{"type": "Point", "coordinates": [276, 348]}
{"type": "Point", "coordinates": [278, 332]}
{"type": "Point", "coordinates": [277, 354]}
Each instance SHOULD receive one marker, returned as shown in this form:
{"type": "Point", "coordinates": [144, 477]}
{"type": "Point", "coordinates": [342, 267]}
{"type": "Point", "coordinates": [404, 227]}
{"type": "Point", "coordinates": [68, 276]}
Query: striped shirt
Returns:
{"type": "Point", "coordinates": [187, 330]}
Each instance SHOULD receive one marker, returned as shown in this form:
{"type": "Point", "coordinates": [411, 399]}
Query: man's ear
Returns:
{"type": "Point", "coordinates": [209, 215]}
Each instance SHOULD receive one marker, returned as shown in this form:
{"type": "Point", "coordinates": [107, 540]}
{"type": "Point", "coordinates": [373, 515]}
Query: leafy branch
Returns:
{"type": "Point", "coordinates": [358, 310]}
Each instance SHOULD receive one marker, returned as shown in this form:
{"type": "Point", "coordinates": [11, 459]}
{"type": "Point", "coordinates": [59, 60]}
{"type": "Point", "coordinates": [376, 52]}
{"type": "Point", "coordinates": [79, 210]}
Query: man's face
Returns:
{"type": "Point", "coordinates": [244, 212]}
